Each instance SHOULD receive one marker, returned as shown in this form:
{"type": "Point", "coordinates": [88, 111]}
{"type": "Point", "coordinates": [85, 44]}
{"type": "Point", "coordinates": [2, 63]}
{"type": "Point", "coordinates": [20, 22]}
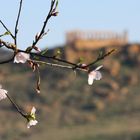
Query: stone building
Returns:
{"type": "Point", "coordinates": [84, 43]}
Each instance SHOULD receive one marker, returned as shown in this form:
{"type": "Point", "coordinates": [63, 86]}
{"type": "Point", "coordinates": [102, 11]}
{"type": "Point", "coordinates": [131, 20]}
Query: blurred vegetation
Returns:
{"type": "Point", "coordinates": [68, 108]}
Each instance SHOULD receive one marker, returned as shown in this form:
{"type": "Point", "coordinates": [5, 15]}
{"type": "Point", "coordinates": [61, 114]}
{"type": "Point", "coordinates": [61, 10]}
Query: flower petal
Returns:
{"type": "Point", "coordinates": [98, 67]}
{"type": "Point", "coordinates": [98, 75]}
{"type": "Point", "coordinates": [91, 77]}
{"type": "Point", "coordinates": [90, 80]}
{"type": "Point", "coordinates": [94, 75]}
{"type": "Point", "coordinates": [28, 125]}
{"type": "Point", "coordinates": [21, 57]}
{"type": "Point", "coordinates": [3, 94]}
{"type": "Point", "coordinates": [31, 123]}
{"type": "Point", "coordinates": [33, 110]}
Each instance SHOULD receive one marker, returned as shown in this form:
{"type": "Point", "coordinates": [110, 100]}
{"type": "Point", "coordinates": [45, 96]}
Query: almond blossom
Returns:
{"type": "Point", "coordinates": [3, 93]}
{"type": "Point", "coordinates": [94, 75]}
{"type": "Point", "coordinates": [21, 57]}
{"type": "Point", "coordinates": [31, 123]}
{"type": "Point", "coordinates": [31, 118]}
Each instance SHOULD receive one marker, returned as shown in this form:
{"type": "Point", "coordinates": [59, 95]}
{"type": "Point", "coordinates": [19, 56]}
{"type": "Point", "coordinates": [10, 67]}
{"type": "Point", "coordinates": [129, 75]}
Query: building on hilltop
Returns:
{"type": "Point", "coordinates": [83, 43]}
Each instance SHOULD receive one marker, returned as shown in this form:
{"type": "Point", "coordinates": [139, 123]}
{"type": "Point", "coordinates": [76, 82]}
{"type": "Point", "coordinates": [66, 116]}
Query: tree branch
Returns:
{"type": "Point", "coordinates": [17, 21]}
{"type": "Point", "coordinates": [58, 65]}
{"type": "Point", "coordinates": [101, 57]}
{"type": "Point", "coordinates": [7, 29]}
{"type": "Point", "coordinates": [72, 65]}
{"type": "Point", "coordinates": [16, 106]}
{"type": "Point", "coordinates": [44, 25]}
{"type": "Point", "coordinates": [49, 57]}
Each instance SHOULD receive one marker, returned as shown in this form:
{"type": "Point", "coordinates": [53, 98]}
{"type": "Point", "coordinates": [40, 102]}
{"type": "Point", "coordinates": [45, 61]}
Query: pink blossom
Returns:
{"type": "Point", "coordinates": [94, 75]}
{"type": "Point", "coordinates": [21, 57]}
{"type": "Point", "coordinates": [3, 93]}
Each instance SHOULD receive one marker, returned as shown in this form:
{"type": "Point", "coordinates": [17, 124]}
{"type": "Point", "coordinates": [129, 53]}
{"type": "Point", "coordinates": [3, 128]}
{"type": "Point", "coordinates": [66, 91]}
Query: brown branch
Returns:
{"type": "Point", "coordinates": [38, 80]}
{"type": "Point", "coordinates": [16, 106]}
{"type": "Point", "coordinates": [72, 65]}
{"type": "Point", "coordinates": [7, 29]}
{"type": "Point", "coordinates": [17, 21]}
{"type": "Point", "coordinates": [59, 65]}
{"type": "Point", "coordinates": [8, 45]}
{"type": "Point", "coordinates": [12, 47]}
{"type": "Point", "coordinates": [101, 57]}
{"type": "Point", "coordinates": [49, 57]}
{"type": "Point", "coordinates": [44, 25]}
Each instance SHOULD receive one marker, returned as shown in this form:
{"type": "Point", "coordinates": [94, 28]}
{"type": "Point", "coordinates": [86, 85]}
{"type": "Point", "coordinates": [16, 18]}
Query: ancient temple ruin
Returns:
{"type": "Point", "coordinates": [83, 43]}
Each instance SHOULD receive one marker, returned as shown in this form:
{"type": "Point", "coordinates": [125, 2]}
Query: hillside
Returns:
{"type": "Point", "coordinates": [70, 109]}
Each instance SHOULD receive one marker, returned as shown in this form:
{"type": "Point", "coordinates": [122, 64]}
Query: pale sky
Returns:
{"type": "Point", "coordinates": [113, 15]}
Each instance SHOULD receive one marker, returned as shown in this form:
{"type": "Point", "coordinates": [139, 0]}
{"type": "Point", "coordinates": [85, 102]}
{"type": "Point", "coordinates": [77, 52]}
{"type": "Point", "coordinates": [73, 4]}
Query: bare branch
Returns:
{"type": "Point", "coordinates": [16, 106]}
{"type": "Point", "coordinates": [58, 65]}
{"type": "Point", "coordinates": [7, 29]}
{"type": "Point", "coordinates": [12, 47]}
{"type": "Point", "coordinates": [17, 21]}
{"type": "Point", "coordinates": [49, 57]}
{"type": "Point", "coordinates": [44, 25]}
{"type": "Point", "coordinates": [8, 45]}
{"type": "Point", "coordinates": [38, 80]}
{"type": "Point", "coordinates": [54, 58]}
{"type": "Point", "coordinates": [101, 57]}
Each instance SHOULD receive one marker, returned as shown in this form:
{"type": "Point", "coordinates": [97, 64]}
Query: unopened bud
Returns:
{"type": "Point", "coordinates": [37, 49]}
{"type": "Point", "coordinates": [55, 14]}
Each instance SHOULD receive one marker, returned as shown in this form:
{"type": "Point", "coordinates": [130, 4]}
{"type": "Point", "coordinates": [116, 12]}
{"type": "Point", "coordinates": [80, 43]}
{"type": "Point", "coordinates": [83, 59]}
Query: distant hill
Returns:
{"type": "Point", "coordinates": [66, 100]}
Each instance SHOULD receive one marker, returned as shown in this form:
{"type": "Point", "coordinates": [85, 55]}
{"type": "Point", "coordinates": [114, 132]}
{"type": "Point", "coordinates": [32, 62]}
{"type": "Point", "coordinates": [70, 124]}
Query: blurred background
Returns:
{"type": "Point", "coordinates": [68, 108]}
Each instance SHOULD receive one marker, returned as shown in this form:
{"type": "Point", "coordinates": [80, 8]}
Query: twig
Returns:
{"type": "Point", "coordinates": [17, 21]}
{"type": "Point", "coordinates": [38, 80]}
{"type": "Point", "coordinates": [8, 45]}
{"type": "Point", "coordinates": [73, 65]}
{"type": "Point", "coordinates": [58, 65]}
{"type": "Point", "coordinates": [44, 25]}
{"type": "Point", "coordinates": [49, 57]}
{"type": "Point", "coordinates": [12, 47]}
{"type": "Point", "coordinates": [100, 58]}
{"type": "Point", "coordinates": [7, 29]}
{"type": "Point", "coordinates": [16, 106]}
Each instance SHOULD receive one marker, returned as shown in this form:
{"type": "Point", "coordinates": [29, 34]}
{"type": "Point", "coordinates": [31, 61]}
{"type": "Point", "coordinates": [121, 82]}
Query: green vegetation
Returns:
{"type": "Point", "coordinates": [68, 108]}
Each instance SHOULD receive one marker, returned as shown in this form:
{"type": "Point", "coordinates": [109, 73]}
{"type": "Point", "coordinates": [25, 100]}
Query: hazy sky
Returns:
{"type": "Point", "coordinates": [114, 15]}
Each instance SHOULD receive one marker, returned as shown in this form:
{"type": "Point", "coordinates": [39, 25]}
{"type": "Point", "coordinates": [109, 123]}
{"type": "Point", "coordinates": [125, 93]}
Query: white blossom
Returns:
{"type": "Point", "coordinates": [31, 123]}
{"type": "Point", "coordinates": [94, 75]}
{"type": "Point", "coordinates": [3, 93]}
{"type": "Point", "coordinates": [21, 57]}
{"type": "Point", "coordinates": [31, 118]}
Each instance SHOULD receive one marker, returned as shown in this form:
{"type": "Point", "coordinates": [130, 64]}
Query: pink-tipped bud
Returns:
{"type": "Point", "coordinates": [37, 49]}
